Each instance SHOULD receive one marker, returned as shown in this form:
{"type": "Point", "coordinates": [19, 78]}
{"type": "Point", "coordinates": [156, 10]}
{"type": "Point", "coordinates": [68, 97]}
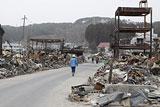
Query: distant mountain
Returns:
{"type": "Point", "coordinates": [71, 32]}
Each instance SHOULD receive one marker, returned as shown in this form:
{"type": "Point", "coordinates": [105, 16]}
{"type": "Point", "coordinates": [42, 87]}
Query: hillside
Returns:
{"type": "Point", "coordinates": [71, 32]}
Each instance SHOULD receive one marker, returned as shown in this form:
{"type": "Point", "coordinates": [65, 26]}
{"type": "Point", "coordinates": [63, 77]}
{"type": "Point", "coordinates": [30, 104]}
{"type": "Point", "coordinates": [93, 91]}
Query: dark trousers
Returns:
{"type": "Point", "coordinates": [73, 69]}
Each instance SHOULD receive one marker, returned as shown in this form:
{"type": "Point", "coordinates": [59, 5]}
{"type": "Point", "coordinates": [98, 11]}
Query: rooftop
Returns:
{"type": "Point", "coordinates": [104, 44]}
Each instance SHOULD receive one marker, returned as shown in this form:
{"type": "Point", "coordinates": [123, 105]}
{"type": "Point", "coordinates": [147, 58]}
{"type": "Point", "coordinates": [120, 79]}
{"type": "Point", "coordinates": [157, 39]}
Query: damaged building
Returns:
{"type": "Point", "coordinates": [1, 35]}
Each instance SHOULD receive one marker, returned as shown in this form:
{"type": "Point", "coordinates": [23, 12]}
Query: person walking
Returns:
{"type": "Point", "coordinates": [97, 60]}
{"type": "Point", "coordinates": [92, 59]}
{"type": "Point", "coordinates": [73, 63]}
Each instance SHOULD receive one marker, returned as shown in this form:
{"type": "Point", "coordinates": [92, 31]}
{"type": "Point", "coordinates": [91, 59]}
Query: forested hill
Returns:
{"type": "Point", "coordinates": [71, 32]}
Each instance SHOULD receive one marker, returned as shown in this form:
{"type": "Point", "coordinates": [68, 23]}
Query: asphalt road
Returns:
{"type": "Point", "coordinates": [36, 90]}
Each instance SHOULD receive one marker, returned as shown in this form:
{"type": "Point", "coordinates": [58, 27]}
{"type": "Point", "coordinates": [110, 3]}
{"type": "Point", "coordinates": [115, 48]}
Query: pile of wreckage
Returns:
{"type": "Point", "coordinates": [132, 80]}
{"type": "Point", "coordinates": [13, 64]}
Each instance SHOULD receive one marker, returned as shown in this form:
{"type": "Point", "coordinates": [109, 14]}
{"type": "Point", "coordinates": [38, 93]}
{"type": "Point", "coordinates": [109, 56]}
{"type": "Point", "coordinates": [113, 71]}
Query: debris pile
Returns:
{"type": "Point", "coordinates": [13, 64]}
{"type": "Point", "coordinates": [134, 81]}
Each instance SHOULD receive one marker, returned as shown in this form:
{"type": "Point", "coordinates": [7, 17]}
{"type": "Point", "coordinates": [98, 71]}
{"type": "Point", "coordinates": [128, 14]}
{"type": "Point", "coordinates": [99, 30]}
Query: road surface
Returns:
{"type": "Point", "coordinates": [44, 89]}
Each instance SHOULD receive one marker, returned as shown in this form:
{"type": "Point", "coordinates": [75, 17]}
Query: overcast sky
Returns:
{"type": "Point", "coordinates": [43, 11]}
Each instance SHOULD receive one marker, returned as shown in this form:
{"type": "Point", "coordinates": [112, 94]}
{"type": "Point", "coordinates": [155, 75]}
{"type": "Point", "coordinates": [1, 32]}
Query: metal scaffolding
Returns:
{"type": "Point", "coordinates": [132, 12]}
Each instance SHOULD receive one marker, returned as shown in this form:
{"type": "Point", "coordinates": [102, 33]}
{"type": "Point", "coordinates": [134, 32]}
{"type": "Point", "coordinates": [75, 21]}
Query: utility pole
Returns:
{"type": "Point", "coordinates": [24, 20]}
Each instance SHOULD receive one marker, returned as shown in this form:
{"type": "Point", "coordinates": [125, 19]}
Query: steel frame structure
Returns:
{"type": "Point", "coordinates": [131, 12]}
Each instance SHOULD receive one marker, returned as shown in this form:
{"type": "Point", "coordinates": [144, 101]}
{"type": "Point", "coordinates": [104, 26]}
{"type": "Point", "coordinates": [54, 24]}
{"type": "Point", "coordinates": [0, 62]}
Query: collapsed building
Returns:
{"type": "Point", "coordinates": [120, 29]}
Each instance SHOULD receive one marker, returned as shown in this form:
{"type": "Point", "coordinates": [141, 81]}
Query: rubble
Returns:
{"type": "Point", "coordinates": [109, 98]}
{"type": "Point", "coordinates": [134, 81]}
{"type": "Point", "coordinates": [13, 64]}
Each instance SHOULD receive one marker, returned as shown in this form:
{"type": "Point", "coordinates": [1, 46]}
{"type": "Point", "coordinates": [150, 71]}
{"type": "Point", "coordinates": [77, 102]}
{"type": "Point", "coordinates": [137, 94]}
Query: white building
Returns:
{"type": "Point", "coordinates": [141, 36]}
{"type": "Point", "coordinates": [13, 46]}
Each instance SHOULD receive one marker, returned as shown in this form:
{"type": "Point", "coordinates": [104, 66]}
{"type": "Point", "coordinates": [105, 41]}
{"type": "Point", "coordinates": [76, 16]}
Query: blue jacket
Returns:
{"type": "Point", "coordinates": [73, 62]}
